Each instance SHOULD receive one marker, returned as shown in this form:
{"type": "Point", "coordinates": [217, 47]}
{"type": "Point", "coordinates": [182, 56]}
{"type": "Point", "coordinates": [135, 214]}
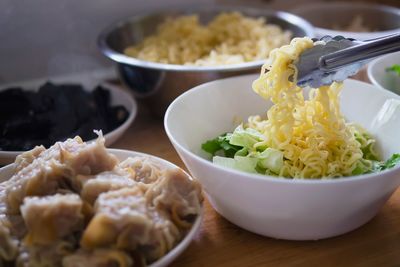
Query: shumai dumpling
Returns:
{"type": "Point", "coordinates": [51, 218]}
{"type": "Point", "coordinates": [55, 169]}
{"type": "Point", "coordinates": [177, 194]}
{"type": "Point", "coordinates": [93, 186]}
{"type": "Point", "coordinates": [124, 220]}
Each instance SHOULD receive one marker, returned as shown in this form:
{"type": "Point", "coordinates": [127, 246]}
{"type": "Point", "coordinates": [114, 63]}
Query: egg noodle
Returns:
{"type": "Point", "coordinates": [312, 134]}
{"type": "Point", "coordinates": [229, 38]}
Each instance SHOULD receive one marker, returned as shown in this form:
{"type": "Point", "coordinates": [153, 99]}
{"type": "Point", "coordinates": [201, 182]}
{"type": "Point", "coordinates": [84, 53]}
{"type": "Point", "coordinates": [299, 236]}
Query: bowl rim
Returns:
{"type": "Point", "coordinates": [372, 34]}
{"type": "Point", "coordinates": [260, 177]}
{"type": "Point", "coordinates": [342, 4]}
{"type": "Point", "coordinates": [124, 59]}
{"type": "Point", "coordinates": [372, 65]}
{"type": "Point", "coordinates": [133, 109]}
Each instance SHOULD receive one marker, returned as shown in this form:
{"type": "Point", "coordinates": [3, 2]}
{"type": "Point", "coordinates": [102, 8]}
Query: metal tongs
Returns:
{"type": "Point", "coordinates": [336, 58]}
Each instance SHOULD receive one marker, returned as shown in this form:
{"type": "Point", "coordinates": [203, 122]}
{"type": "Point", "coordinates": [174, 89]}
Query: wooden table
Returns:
{"type": "Point", "coordinates": [221, 243]}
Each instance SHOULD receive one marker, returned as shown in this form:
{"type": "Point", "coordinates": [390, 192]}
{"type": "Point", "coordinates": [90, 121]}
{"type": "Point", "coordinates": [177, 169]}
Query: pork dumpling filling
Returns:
{"type": "Point", "coordinates": [8, 243]}
{"type": "Point", "coordinates": [177, 194]}
{"type": "Point", "coordinates": [126, 221]}
{"type": "Point", "coordinates": [93, 186]}
{"type": "Point", "coordinates": [51, 218]}
{"type": "Point", "coordinates": [99, 258]}
{"type": "Point", "coordinates": [142, 169]}
{"type": "Point", "coordinates": [45, 255]}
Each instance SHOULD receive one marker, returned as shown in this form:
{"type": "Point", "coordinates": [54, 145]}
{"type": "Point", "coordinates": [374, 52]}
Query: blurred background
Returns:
{"type": "Point", "coordinates": [49, 38]}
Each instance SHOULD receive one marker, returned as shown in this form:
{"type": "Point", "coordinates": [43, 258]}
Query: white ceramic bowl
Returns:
{"type": "Point", "coordinates": [7, 171]}
{"type": "Point", "coordinates": [278, 207]}
{"type": "Point", "coordinates": [118, 97]}
{"type": "Point", "coordinates": [378, 75]}
{"type": "Point", "coordinates": [384, 20]}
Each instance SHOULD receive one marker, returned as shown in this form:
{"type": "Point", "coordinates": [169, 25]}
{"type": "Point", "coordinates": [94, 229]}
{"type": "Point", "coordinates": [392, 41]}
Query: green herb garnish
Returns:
{"type": "Point", "coordinates": [390, 163]}
{"type": "Point", "coordinates": [395, 68]}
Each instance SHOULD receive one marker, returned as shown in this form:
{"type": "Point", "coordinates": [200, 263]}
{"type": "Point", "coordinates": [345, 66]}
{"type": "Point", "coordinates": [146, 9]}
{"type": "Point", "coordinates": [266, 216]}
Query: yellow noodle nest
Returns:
{"type": "Point", "coordinates": [312, 134]}
{"type": "Point", "coordinates": [230, 38]}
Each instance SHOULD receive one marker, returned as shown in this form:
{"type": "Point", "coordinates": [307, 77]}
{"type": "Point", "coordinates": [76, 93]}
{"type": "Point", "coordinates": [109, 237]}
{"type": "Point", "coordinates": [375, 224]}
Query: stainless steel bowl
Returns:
{"type": "Point", "coordinates": [383, 20]}
{"type": "Point", "coordinates": [158, 84]}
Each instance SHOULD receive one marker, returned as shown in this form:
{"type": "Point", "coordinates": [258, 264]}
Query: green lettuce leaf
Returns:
{"type": "Point", "coordinates": [221, 143]}
{"type": "Point", "coordinates": [367, 149]}
{"type": "Point", "coordinates": [363, 166]}
{"type": "Point", "coordinates": [246, 137]}
{"type": "Point", "coordinates": [271, 159]}
{"type": "Point", "coordinates": [240, 163]}
{"type": "Point", "coordinates": [240, 153]}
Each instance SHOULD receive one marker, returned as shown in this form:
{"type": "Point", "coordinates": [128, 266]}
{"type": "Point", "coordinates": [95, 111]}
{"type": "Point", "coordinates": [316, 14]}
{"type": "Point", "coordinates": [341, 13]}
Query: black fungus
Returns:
{"type": "Point", "coordinates": [55, 113]}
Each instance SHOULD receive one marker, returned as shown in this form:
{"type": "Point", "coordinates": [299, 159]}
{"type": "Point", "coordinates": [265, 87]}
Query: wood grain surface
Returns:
{"type": "Point", "coordinates": [221, 243]}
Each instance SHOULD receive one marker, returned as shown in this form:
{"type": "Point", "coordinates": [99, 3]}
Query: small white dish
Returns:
{"type": "Point", "coordinates": [291, 209]}
{"type": "Point", "coordinates": [118, 97]}
{"type": "Point", "coordinates": [383, 79]}
{"type": "Point", "coordinates": [7, 171]}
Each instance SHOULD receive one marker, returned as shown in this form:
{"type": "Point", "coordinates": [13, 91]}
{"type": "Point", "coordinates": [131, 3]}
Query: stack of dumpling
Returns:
{"type": "Point", "coordinates": [75, 205]}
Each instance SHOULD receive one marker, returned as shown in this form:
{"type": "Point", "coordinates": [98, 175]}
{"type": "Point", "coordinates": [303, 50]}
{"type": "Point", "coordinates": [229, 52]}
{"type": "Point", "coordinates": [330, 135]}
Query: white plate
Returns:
{"type": "Point", "coordinates": [7, 171]}
{"type": "Point", "coordinates": [88, 81]}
